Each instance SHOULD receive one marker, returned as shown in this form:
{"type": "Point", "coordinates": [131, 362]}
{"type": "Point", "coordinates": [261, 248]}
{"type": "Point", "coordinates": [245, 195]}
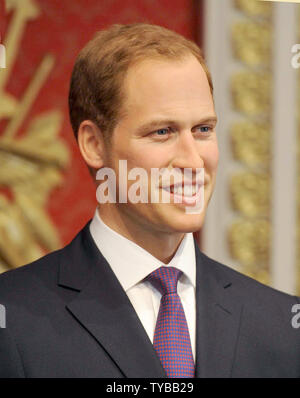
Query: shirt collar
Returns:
{"type": "Point", "coordinates": [131, 263]}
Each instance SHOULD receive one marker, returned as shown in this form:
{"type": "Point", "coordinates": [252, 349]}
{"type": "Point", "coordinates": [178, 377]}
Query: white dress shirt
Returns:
{"type": "Point", "coordinates": [131, 264]}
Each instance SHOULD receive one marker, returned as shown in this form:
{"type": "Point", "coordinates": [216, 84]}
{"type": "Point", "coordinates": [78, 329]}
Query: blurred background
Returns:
{"type": "Point", "coordinates": [46, 192]}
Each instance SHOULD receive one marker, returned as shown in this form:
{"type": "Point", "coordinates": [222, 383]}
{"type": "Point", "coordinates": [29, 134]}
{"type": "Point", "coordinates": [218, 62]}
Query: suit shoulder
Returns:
{"type": "Point", "coordinates": [40, 278]}
{"type": "Point", "coordinates": [27, 277]}
{"type": "Point", "coordinates": [245, 285]}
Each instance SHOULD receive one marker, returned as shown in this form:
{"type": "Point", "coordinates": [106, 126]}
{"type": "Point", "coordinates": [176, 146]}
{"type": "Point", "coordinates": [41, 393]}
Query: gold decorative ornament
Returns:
{"type": "Point", "coordinates": [251, 143]}
{"type": "Point", "coordinates": [31, 165]}
{"type": "Point", "coordinates": [249, 235]}
{"type": "Point", "coordinates": [250, 194]}
{"type": "Point", "coordinates": [252, 43]}
{"type": "Point", "coordinates": [249, 244]}
{"type": "Point", "coordinates": [251, 93]}
{"type": "Point", "coordinates": [254, 8]}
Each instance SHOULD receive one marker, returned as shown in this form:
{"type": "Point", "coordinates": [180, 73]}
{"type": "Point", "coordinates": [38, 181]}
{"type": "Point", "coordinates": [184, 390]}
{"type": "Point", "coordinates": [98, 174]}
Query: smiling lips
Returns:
{"type": "Point", "coordinates": [187, 194]}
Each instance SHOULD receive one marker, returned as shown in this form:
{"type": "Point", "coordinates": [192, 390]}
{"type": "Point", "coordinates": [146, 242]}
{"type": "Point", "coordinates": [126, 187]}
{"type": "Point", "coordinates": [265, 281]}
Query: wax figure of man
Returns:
{"type": "Point", "coordinates": [132, 295]}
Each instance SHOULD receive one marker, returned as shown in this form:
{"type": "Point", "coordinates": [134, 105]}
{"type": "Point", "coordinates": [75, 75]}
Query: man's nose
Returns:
{"type": "Point", "coordinates": [187, 153]}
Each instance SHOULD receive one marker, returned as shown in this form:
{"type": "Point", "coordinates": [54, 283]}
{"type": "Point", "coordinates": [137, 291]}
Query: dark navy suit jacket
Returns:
{"type": "Point", "coordinates": [68, 316]}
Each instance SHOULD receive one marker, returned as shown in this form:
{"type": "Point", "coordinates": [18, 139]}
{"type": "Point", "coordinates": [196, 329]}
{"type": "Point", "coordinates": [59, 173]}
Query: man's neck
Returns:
{"type": "Point", "coordinates": [162, 245]}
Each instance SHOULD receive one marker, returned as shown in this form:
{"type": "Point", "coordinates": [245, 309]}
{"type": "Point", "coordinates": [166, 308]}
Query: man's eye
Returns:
{"type": "Point", "coordinates": [162, 132]}
{"type": "Point", "coordinates": [205, 129]}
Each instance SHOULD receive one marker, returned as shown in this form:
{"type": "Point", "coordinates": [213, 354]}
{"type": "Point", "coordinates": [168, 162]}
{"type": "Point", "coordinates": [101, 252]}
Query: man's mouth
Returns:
{"type": "Point", "coordinates": [187, 190]}
{"type": "Point", "coordinates": [187, 194]}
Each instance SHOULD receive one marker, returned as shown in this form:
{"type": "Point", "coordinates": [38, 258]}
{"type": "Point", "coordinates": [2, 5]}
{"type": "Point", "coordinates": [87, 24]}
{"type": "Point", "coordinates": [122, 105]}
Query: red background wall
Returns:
{"type": "Point", "coordinates": [62, 29]}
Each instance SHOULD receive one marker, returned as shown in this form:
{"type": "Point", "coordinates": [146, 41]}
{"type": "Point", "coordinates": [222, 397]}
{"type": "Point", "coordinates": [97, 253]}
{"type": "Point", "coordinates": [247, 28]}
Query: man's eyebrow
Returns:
{"type": "Point", "coordinates": [163, 122]}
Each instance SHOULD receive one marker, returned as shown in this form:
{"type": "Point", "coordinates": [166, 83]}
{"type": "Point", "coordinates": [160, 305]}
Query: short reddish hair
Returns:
{"type": "Point", "coordinates": [96, 89]}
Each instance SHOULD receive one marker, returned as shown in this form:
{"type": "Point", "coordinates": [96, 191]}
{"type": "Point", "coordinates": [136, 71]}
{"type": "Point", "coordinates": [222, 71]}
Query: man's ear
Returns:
{"type": "Point", "coordinates": [91, 144]}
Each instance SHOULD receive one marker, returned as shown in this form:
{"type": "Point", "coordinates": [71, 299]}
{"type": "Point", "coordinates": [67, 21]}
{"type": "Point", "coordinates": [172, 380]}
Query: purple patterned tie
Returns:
{"type": "Point", "coordinates": [171, 337]}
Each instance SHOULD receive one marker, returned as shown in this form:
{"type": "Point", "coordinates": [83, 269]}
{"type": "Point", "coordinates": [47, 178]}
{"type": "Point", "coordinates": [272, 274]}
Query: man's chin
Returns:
{"type": "Point", "coordinates": [187, 223]}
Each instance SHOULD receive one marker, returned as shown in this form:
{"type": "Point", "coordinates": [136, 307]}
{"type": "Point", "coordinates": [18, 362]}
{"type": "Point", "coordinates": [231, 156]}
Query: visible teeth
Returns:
{"type": "Point", "coordinates": [188, 190]}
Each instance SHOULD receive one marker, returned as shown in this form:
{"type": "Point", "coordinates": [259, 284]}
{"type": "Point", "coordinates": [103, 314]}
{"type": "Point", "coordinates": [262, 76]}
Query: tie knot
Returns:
{"type": "Point", "coordinates": [165, 279]}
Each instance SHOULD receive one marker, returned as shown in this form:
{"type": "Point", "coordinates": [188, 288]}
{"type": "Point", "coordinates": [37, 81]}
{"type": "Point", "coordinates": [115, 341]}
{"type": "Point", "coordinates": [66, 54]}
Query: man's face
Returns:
{"type": "Point", "coordinates": [169, 123]}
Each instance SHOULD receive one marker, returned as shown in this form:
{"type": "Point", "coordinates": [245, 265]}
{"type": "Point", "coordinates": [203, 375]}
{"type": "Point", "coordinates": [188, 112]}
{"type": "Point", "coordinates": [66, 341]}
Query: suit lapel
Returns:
{"type": "Point", "coordinates": [218, 317]}
{"type": "Point", "coordinates": [105, 311]}
{"type": "Point", "coordinates": [103, 308]}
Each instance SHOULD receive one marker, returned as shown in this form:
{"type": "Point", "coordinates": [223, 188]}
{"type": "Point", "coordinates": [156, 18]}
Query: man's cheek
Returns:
{"type": "Point", "coordinates": [214, 156]}
{"type": "Point", "coordinates": [211, 159]}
